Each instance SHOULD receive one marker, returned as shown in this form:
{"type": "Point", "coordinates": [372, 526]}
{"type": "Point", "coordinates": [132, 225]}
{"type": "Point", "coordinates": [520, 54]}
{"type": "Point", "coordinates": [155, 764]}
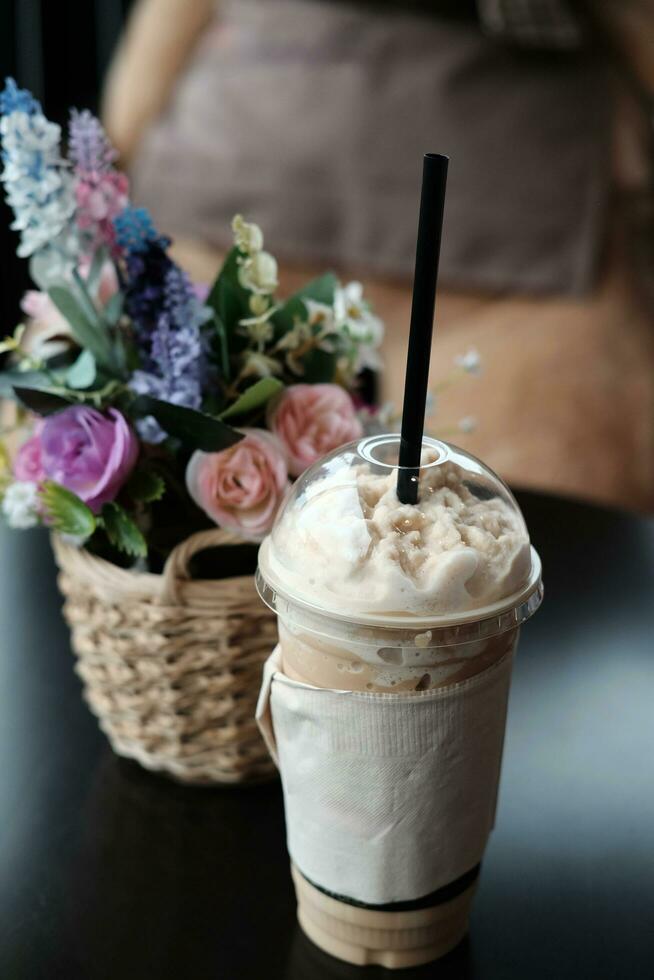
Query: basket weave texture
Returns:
{"type": "Point", "coordinates": [171, 666]}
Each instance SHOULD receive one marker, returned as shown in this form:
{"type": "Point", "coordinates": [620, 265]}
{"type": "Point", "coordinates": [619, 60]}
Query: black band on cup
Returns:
{"type": "Point", "coordinates": [444, 894]}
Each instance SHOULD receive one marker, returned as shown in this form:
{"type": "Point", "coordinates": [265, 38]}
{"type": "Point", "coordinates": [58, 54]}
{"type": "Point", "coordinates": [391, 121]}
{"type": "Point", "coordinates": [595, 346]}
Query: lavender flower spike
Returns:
{"type": "Point", "coordinates": [181, 301]}
{"type": "Point", "coordinates": [176, 365]}
{"type": "Point", "coordinates": [88, 146]}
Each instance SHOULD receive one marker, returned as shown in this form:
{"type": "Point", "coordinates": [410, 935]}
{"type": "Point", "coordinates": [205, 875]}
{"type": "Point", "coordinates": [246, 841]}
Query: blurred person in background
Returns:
{"type": "Point", "coordinates": [311, 117]}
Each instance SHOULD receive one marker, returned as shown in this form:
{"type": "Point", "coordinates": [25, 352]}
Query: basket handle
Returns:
{"type": "Point", "coordinates": [176, 569]}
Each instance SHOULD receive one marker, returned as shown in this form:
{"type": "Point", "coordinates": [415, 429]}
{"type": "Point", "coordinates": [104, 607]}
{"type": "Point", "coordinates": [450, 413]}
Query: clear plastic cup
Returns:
{"type": "Point", "coordinates": [373, 596]}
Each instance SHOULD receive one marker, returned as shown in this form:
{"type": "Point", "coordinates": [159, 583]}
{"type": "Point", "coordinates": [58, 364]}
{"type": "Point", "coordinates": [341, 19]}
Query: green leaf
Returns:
{"type": "Point", "coordinates": [28, 379]}
{"type": "Point", "coordinates": [145, 486]}
{"type": "Point", "coordinates": [255, 397]}
{"type": "Point", "coordinates": [223, 347]}
{"type": "Point", "coordinates": [121, 357]}
{"type": "Point", "coordinates": [122, 531]}
{"type": "Point", "coordinates": [66, 512]}
{"type": "Point", "coordinates": [319, 367]}
{"type": "Point", "coordinates": [85, 300]}
{"type": "Point", "coordinates": [195, 429]}
{"type": "Point", "coordinates": [87, 332]}
{"type": "Point", "coordinates": [114, 309]}
{"type": "Point", "coordinates": [228, 275]}
{"type": "Point", "coordinates": [41, 401]}
{"type": "Point", "coordinates": [230, 303]}
{"type": "Point", "coordinates": [83, 372]}
{"type": "Point", "coordinates": [93, 279]}
{"type": "Point", "coordinates": [55, 374]}
{"type": "Point", "coordinates": [321, 290]}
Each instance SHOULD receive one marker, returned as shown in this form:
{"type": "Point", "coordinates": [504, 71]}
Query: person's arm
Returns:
{"type": "Point", "coordinates": [158, 39]}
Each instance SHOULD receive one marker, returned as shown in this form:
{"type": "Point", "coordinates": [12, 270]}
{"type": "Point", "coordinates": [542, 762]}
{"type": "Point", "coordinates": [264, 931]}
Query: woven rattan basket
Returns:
{"type": "Point", "coordinates": [171, 666]}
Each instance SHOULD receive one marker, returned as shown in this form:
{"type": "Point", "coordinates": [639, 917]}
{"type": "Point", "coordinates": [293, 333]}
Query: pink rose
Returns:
{"type": "Point", "coordinates": [311, 420]}
{"type": "Point", "coordinates": [28, 465]}
{"type": "Point", "coordinates": [241, 487]}
{"type": "Point", "coordinates": [89, 452]}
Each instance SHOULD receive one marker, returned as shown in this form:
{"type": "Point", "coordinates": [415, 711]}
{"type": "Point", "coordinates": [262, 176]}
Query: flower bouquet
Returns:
{"type": "Point", "coordinates": [156, 418]}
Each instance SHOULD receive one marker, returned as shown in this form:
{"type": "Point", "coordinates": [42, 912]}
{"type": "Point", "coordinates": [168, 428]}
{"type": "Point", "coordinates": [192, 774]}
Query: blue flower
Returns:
{"type": "Point", "coordinates": [14, 99]}
{"type": "Point", "coordinates": [136, 233]}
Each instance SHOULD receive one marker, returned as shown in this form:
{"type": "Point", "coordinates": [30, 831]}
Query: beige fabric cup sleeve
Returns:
{"type": "Point", "coordinates": [387, 797]}
{"type": "Point", "coordinates": [263, 713]}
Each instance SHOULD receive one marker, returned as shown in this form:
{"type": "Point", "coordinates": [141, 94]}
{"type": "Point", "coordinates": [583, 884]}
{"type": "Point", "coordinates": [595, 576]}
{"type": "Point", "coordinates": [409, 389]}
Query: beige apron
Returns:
{"type": "Point", "coordinates": [312, 117]}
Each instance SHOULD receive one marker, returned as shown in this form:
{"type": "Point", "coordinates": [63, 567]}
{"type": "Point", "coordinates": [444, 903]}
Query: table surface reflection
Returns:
{"type": "Point", "coordinates": [110, 873]}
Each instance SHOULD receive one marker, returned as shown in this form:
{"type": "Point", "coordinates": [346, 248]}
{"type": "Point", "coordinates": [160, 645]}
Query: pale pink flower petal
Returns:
{"type": "Point", "coordinates": [311, 420]}
{"type": "Point", "coordinates": [241, 487]}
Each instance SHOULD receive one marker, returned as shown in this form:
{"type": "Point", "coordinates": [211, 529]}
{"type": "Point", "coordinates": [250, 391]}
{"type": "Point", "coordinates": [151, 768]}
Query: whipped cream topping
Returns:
{"type": "Point", "coordinates": [348, 545]}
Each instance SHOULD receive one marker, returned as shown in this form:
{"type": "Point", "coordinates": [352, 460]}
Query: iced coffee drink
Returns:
{"type": "Point", "coordinates": [385, 702]}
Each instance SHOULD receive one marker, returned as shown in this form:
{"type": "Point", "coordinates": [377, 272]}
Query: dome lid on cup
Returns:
{"type": "Point", "coordinates": [345, 546]}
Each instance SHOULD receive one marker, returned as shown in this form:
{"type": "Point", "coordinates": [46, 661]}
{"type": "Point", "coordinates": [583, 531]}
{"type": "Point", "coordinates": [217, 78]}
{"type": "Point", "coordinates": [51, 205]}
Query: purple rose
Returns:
{"type": "Point", "coordinates": [89, 452]}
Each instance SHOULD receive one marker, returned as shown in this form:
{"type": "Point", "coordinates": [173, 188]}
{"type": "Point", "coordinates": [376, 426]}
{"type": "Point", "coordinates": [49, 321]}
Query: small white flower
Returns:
{"type": "Point", "coordinates": [258, 365]}
{"type": "Point", "coordinates": [258, 304]}
{"type": "Point", "coordinates": [468, 424]}
{"type": "Point", "coordinates": [352, 311]}
{"type": "Point", "coordinates": [20, 504]}
{"type": "Point", "coordinates": [299, 334]}
{"type": "Point", "coordinates": [258, 328]}
{"type": "Point", "coordinates": [303, 332]}
{"type": "Point", "coordinates": [320, 315]}
{"type": "Point", "coordinates": [303, 337]}
{"type": "Point", "coordinates": [247, 237]}
{"type": "Point", "coordinates": [258, 273]}
{"type": "Point", "coordinates": [365, 329]}
{"type": "Point", "coordinates": [470, 362]}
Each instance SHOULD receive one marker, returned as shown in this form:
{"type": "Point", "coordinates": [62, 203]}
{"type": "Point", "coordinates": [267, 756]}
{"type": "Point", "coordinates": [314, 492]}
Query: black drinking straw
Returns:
{"type": "Point", "coordinates": [428, 247]}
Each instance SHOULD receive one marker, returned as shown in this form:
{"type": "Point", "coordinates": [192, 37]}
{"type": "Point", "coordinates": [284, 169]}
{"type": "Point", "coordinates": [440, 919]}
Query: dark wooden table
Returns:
{"type": "Point", "coordinates": [111, 873]}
